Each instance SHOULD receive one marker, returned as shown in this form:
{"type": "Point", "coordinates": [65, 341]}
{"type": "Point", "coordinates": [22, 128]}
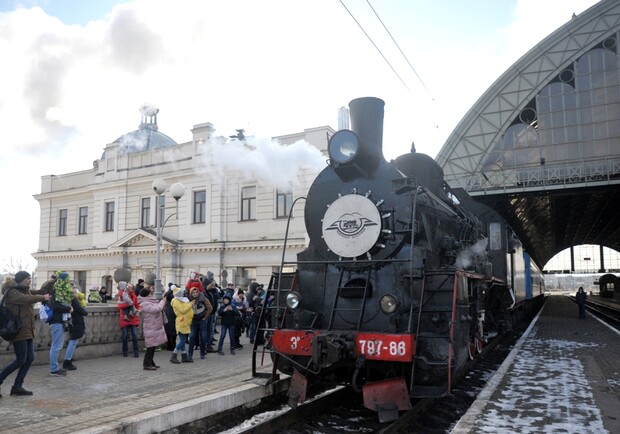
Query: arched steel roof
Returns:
{"type": "Point", "coordinates": [553, 202]}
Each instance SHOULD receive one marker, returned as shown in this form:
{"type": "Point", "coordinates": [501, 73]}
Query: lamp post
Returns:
{"type": "Point", "coordinates": [177, 190]}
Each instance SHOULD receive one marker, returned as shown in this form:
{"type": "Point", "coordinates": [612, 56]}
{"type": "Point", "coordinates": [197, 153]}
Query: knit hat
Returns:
{"type": "Point", "coordinates": [20, 276]}
{"type": "Point", "coordinates": [64, 275]}
{"type": "Point", "coordinates": [179, 294]}
{"type": "Point", "coordinates": [81, 299]}
{"type": "Point", "coordinates": [227, 297]}
{"type": "Point", "coordinates": [122, 285]}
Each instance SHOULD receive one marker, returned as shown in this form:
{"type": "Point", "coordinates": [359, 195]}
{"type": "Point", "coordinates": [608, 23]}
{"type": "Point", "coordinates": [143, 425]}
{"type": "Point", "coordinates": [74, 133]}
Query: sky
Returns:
{"type": "Point", "coordinates": [74, 75]}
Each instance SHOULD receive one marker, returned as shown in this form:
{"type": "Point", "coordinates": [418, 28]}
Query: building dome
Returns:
{"type": "Point", "coordinates": [146, 137]}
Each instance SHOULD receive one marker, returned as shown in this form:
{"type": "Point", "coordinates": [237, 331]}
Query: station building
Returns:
{"type": "Point", "coordinates": [231, 223]}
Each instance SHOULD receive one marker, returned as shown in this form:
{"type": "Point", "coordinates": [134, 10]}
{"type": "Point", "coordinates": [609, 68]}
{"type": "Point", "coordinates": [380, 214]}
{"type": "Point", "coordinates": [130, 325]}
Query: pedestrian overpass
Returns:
{"type": "Point", "coordinates": [542, 144]}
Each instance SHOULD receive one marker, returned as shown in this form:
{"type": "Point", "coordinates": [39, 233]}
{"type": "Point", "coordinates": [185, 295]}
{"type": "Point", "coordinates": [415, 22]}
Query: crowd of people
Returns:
{"type": "Point", "coordinates": [182, 321]}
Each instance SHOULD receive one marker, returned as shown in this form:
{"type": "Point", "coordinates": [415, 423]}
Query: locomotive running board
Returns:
{"type": "Point", "coordinates": [387, 398]}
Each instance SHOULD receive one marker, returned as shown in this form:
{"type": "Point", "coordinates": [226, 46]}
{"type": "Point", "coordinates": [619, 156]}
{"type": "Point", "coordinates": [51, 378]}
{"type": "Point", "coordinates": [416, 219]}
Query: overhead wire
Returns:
{"type": "Point", "coordinates": [401, 51]}
{"type": "Point", "coordinates": [375, 45]}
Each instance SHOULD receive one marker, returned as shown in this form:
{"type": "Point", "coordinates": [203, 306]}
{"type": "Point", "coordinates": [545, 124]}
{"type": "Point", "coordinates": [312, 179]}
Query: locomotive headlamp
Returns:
{"type": "Point", "coordinates": [293, 300]}
{"type": "Point", "coordinates": [343, 146]}
{"type": "Point", "coordinates": [388, 304]}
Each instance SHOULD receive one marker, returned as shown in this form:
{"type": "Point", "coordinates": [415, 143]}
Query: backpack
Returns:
{"type": "Point", "coordinates": [45, 313]}
{"type": "Point", "coordinates": [9, 322]}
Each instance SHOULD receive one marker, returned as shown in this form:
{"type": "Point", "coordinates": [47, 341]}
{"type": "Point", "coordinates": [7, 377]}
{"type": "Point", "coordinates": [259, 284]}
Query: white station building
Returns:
{"type": "Point", "coordinates": [230, 219]}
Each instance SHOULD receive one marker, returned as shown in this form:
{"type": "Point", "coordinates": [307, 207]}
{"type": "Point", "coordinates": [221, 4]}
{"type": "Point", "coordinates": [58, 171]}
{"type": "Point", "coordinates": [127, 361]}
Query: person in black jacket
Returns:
{"type": "Point", "coordinates": [77, 329]}
{"type": "Point", "coordinates": [581, 297]}
{"type": "Point", "coordinates": [169, 325]}
{"type": "Point", "coordinates": [228, 313]}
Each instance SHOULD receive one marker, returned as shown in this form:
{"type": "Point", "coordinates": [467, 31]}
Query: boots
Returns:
{"type": "Point", "coordinates": [174, 358]}
{"type": "Point", "coordinates": [68, 365]}
{"type": "Point", "coordinates": [186, 359]}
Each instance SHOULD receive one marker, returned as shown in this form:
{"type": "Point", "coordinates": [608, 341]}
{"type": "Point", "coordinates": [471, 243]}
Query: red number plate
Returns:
{"type": "Point", "coordinates": [293, 342]}
{"type": "Point", "coordinates": [379, 346]}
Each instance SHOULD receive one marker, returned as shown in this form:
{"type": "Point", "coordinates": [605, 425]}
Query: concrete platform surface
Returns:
{"type": "Point", "coordinates": [563, 376]}
{"type": "Point", "coordinates": [115, 395]}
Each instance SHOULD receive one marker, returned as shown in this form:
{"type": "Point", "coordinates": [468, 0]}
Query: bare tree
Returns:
{"type": "Point", "coordinates": [14, 264]}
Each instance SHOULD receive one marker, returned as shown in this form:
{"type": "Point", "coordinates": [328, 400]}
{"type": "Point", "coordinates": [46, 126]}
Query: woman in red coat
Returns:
{"type": "Point", "coordinates": [131, 323]}
{"type": "Point", "coordinates": [152, 325]}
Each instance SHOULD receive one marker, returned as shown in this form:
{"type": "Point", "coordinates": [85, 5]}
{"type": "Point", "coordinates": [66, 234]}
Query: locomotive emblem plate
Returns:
{"type": "Point", "coordinates": [351, 226]}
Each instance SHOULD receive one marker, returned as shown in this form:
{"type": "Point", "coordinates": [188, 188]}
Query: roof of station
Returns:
{"type": "Point", "coordinates": [542, 144]}
{"type": "Point", "coordinates": [146, 137]}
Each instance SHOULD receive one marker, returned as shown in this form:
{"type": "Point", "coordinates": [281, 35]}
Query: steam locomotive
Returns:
{"type": "Point", "coordinates": [403, 280]}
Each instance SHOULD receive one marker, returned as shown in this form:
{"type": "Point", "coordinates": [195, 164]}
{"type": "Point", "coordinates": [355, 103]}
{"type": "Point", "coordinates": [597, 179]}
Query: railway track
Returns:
{"type": "Point", "coordinates": [340, 410]}
{"type": "Point", "coordinates": [606, 311]}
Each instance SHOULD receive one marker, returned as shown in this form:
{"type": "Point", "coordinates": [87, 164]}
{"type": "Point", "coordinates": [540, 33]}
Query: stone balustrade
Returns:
{"type": "Point", "coordinates": [102, 337]}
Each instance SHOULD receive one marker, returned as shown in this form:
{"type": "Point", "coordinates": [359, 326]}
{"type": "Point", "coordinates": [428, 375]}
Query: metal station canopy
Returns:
{"type": "Point", "coordinates": [542, 144]}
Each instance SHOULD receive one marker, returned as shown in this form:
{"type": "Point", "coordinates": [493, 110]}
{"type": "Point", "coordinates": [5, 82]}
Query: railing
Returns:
{"type": "Point", "coordinates": [102, 337]}
{"type": "Point", "coordinates": [539, 176]}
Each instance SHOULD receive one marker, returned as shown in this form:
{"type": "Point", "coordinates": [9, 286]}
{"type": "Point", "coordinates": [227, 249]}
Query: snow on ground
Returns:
{"type": "Point", "coordinates": [545, 393]}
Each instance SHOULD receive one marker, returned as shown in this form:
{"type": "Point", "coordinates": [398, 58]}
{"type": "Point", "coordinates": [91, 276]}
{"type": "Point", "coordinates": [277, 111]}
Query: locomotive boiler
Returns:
{"type": "Point", "coordinates": [403, 279]}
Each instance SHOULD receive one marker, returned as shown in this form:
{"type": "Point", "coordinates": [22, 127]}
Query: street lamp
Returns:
{"type": "Point", "coordinates": [177, 190]}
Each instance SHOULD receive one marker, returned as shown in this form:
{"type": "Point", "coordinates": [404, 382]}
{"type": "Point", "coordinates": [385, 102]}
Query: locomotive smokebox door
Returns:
{"type": "Point", "coordinates": [297, 389]}
{"type": "Point", "coordinates": [351, 233]}
{"type": "Point", "coordinates": [387, 398]}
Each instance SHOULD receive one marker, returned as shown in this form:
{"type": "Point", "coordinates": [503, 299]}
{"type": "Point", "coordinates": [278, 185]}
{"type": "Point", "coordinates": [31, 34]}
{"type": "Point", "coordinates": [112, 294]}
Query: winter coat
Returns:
{"type": "Point", "coordinates": [153, 321]}
{"type": "Point", "coordinates": [94, 297]}
{"type": "Point", "coordinates": [77, 319]}
{"type": "Point", "coordinates": [581, 297]}
{"type": "Point", "coordinates": [184, 315]}
{"type": "Point", "coordinates": [228, 316]}
{"type": "Point", "coordinates": [19, 300]}
{"type": "Point", "coordinates": [212, 295]}
{"type": "Point", "coordinates": [169, 312]}
{"type": "Point", "coordinates": [135, 321]}
{"type": "Point", "coordinates": [202, 308]}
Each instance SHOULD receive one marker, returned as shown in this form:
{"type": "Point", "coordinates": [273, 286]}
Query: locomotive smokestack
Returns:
{"type": "Point", "coordinates": [367, 123]}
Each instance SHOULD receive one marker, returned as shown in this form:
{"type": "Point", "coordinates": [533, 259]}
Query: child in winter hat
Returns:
{"type": "Point", "coordinates": [179, 294]}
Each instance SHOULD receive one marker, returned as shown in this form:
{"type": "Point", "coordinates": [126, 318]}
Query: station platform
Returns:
{"type": "Point", "coordinates": [563, 376]}
{"type": "Point", "coordinates": [115, 395]}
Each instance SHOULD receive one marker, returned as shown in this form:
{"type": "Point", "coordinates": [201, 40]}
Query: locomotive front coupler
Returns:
{"type": "Point", "coordinates": [328, 349]}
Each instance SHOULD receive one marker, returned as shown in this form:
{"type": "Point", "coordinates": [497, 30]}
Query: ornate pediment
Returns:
{"type": "Point", "coordinates": [141, 238]}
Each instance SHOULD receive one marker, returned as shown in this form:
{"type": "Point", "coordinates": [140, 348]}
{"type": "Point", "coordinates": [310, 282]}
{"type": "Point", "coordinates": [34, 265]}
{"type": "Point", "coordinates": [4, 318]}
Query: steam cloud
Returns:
{"type": "Point", "coordinates": [470, 255]}
{"type": "Point", "coordinates": [265, 161]}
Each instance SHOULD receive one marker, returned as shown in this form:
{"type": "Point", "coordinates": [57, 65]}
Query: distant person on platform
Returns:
{"type": "Point", "coordinates": [93, 295]}
{"type": "Point", "coordinates": [103, 293]}
{"type": "Point", "coordinates": [19, 299]}
{"type": "Point", "coordinates": [581, 298]}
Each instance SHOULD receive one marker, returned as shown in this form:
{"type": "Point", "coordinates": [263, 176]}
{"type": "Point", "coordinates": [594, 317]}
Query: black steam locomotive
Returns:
{"type": "Point", "coordinates": [403, 279]}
